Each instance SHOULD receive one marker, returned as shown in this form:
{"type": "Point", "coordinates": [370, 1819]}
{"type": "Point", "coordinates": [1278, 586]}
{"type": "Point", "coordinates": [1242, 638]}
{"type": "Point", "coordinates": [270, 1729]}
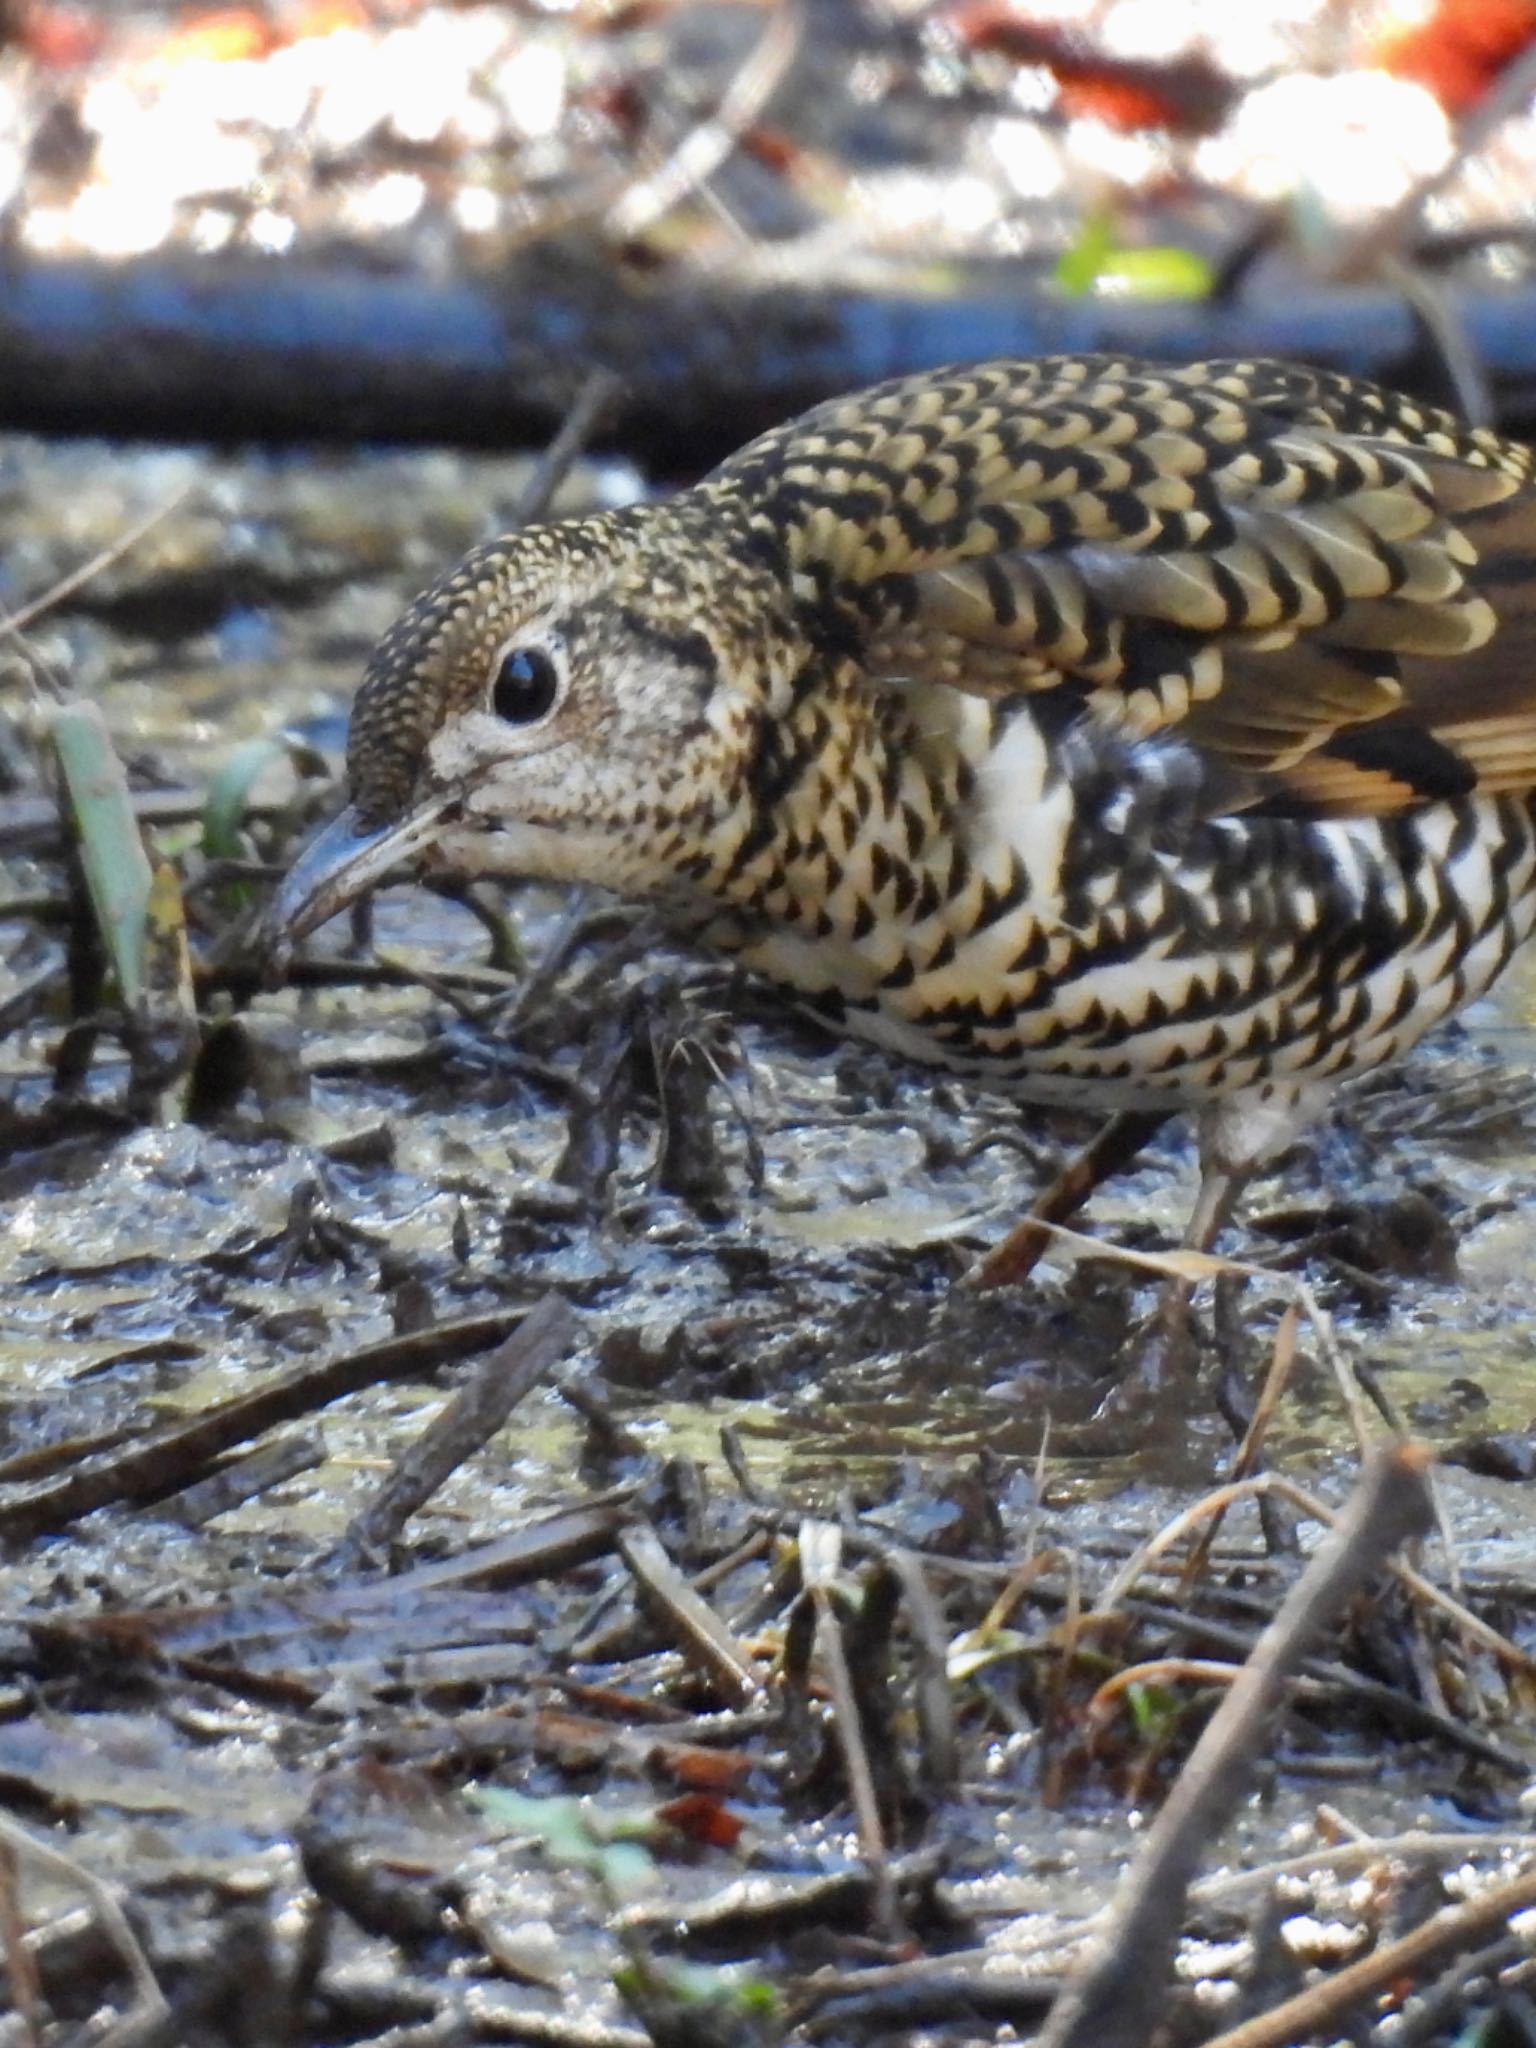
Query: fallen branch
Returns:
{"type": "Point", "coordinates": [231, 349]}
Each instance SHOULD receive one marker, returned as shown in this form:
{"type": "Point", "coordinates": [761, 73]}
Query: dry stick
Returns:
{"type": "Point", "coordinates": [495, 1386]}
{"type": "Point", "coordinates": [1224, 1892]}
{"type": "Point", "coordinates": [861, 1781]}
{"type": "Point", "coordinates": [1115, 2005]}
{"type": "Point", "coordinates": [820, 1561]}
{"type": "Point", "coordinates": [1322, 2006]}
{"type": "Point", "coordinates": [933, 1695]}
{"type": "Point", "coordinates": [242, 1479]}
{"type": "Point", "coordinates": [702, 1637]}
{"type": "Point", "coordinates": [16, 623]}
{"type": "Point", "coordinates": [946, 1996]}
{"type": "Point", "coordinates": [597, 393]}
{"type": "Point", "coordinates": [158, 1462]}
{"type": "Point", "coordinates": [702, 151]}
{"type": "Point", "coordinates": [489, 2020]}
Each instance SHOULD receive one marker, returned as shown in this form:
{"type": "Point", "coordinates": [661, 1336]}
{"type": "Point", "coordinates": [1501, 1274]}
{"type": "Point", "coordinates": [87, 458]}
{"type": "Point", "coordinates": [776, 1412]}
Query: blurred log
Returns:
{"type": "Point", "coordinates": [224, 351]}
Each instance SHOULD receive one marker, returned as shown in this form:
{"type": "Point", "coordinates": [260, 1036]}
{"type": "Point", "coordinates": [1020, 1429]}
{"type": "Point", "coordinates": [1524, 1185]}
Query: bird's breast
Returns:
{"type": "Point", "coordinates": [1057, 915]}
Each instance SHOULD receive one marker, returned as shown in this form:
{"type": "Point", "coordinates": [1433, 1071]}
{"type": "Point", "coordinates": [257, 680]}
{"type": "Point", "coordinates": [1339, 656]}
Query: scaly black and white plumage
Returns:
{"type": "Point", "coordinates": [1155, 739]}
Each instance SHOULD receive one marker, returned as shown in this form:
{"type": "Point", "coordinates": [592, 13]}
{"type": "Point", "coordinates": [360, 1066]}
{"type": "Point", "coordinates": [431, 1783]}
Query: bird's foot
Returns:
{"type": "Point", "coordinates": [1158, 1366]}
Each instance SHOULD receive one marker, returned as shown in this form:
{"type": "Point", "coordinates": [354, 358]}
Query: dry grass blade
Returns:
{"type": "Point", "coordinates": [597, 393]}
{"type": "Point", "coordinates": [1214, 1504]}
{"type": "Point", "coordinates": [1158, 1671]}
{"type": "Point", "coordinates": [1196, 1266]}
{"type": "Point", "coordinates": [1217, 1503]}
{"type": "Point", "coordinates": [1281, 1362]}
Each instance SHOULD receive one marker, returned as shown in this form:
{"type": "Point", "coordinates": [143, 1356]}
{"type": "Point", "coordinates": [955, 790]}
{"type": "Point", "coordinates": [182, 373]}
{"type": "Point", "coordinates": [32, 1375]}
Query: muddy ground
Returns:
{"type": "Point", "coordinates": [325, 1753]}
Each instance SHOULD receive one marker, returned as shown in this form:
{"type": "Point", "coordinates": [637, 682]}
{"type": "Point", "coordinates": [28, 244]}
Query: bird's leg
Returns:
{"type": "Point", "coordinates": [1167, 1346]}
{"type": "Point", "coordinates": [1112, 1148]}
{"type": "Point", "coordinates": [1234, 1141]}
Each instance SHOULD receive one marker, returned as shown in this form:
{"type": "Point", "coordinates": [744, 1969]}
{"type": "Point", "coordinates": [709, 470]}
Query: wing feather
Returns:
{"type": "Point", "coordinates": [1281, 560]}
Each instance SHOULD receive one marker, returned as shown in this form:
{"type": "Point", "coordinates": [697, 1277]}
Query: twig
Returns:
{"type": "Point", "coordinates": [933, 1695]}
{"type": "Point", "coordinates": [17, 1960]}
{"type": "Point", "coordinates": [597, 393]}
{"type": "Point", "coordinates": [1116, 2002]}
{"type": "Point", "coordinates": [269, 1465]}
{"type": "Point", "coordinates": [1224, 1893]}
{"type": "Point", "coordinates": [15, 624]}
{"type": "Point", "coordinates": [820, 1556]}
{"type": "Point", "coordinates": [701, 1635]}
{"type": "Point", "coordinates": [495, 1385]}
{"type": "Point", "coordinates": [1221, 1498]}
{"type": "Point", "coordinates": [21, 1843]}
{"type": "Point", "coordinates": [488, 2019]}
{"type": "Point", "coordinates": [1282, 1360]}
{"type": "Point", "coordinates": [704, 148]}
{"type": "Point", "coordinates": [157, 1463]}
{"type": "Point", "coordinates": [1321, 2007]}
{"type": "Point", "coordinates": [1372, 1695]}
{"type": "Point", "coordinates": [906, 1997]}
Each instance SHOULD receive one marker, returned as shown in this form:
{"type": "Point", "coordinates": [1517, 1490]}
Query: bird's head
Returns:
{"type": "Point", "coordinates": [567, 703]}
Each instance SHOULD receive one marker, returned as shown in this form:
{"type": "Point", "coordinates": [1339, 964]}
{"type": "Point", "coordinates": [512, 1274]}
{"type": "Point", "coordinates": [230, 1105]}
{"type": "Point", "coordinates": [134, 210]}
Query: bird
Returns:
{"type": "Point", "coordinates": [1149, 740]}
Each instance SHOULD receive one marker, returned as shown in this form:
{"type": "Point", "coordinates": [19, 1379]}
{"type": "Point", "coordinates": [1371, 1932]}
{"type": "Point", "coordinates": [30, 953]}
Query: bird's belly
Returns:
{"type": "Point", "coordinates": [1333, 959]}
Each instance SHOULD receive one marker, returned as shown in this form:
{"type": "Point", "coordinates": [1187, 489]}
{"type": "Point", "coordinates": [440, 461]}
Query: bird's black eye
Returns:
{"type": "Point", "coordinates": [527, 683]}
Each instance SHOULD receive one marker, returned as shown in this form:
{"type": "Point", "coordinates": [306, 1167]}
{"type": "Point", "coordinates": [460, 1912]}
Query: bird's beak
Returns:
{"type": "Point", "coordinates": [339, 864]}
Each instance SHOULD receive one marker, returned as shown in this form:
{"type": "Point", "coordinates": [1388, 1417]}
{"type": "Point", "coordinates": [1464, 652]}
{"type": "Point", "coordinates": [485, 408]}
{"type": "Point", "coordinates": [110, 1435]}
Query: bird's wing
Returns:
{"type": "Point", "coordinates": [1330, 588]}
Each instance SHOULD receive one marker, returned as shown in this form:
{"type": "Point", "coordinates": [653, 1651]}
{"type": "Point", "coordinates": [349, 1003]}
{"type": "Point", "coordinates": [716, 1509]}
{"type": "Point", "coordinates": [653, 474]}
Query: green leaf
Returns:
{"type": "Point", "coordinates": [112, 856]}
{"type": "Point", "coordinates": [1153, 1709]}
{"type": "Point", "coordinates": [570, 1832]}
{"type": "Point", "coordinates": [229, 795]}
{"type": "Point", "coordinates": [1099, 265]}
